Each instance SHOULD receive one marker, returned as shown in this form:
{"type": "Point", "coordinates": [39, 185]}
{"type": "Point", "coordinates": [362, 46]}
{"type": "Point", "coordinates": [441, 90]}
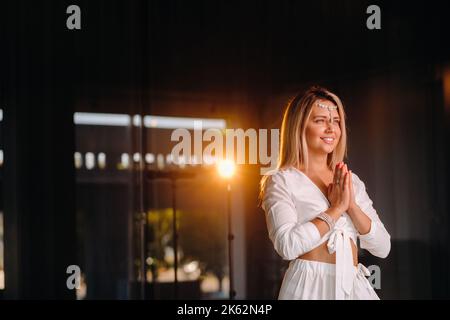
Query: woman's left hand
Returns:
{"type": "Point", "coordinates": [352, 204]}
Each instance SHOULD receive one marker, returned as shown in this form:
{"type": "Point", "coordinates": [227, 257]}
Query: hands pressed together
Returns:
{"type": "Point", "coordinates": [340, 191]}
{"type": "Point", "coordinates": [341, 196]}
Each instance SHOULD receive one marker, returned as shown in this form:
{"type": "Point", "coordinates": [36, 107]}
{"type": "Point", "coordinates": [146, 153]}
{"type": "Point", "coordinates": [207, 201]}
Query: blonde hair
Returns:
{"type": "Point", "coordinates": [293, 145]}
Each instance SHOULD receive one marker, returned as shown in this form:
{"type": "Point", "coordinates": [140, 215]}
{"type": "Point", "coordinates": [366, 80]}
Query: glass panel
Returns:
{"type": "Point", "coordinates": [183, 184]}
{"type": "Point", "coordinates": [105, 206]}
{"type": "Point", "coordinates": [112, 190]}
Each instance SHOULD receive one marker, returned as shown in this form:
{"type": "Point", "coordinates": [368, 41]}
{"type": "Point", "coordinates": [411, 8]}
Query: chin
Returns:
{"type": "Point", "coordinates": [324, 148]}
{"type": "Point", "coordinates": [325, 151]}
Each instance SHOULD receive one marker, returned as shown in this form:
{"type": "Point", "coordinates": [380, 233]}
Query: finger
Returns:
{"type": "Point", "coordinates": [350, 180]}
{"type": "Point", "coordinates": [339, 174]}
{"type": "Point", "coordinates": [346, 173]}
{"type": "Point", "coordinates": [336, 172]}
{"type": "Point", "coordinates": [342, 175]}
{"type": "Point", "coordinates": [345, 169]}
{"type": "Point", "coordinates": [346, 182]}
{"type": "Point", "coordinates": [343, 182]}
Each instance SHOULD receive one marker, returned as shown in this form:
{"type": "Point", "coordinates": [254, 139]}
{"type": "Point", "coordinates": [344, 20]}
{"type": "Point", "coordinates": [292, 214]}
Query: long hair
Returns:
{"type": "Point", "coordinates": [293, 145]}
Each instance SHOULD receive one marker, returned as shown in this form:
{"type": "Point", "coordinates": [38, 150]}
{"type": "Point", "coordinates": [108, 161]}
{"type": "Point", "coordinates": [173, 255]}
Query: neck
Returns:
{"type": "Point", "coordinates": [317, 162]}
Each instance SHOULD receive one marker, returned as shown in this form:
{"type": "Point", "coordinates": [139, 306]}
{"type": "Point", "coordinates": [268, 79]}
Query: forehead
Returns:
{"type": "Point", "coordinates": [318, 111]}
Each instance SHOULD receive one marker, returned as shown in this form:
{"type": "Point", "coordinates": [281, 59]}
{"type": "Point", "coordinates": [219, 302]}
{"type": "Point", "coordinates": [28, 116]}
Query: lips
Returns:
{"type": "Point", "coordinates": [328, 140]}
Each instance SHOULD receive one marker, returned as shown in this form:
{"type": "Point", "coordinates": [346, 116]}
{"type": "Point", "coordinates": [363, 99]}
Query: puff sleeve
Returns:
{"type": "Point", "coordinates": [377, 241]}
{"type": "Point", "coordinates": [289, 237]}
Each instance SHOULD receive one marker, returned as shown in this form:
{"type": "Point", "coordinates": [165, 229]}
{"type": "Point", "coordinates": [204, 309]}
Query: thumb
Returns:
{"type": "Point", "coordinates": [330, 187]}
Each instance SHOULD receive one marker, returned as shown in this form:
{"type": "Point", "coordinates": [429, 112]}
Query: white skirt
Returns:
{"type": "Point", "coordinates": [314, 280]}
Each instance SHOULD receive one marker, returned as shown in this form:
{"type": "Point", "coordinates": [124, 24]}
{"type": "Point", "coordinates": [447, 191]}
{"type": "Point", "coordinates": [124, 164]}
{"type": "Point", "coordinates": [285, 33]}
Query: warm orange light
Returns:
{"type": "Point", "coordinates": [226, 168]}
{"type": "Point", "coordinates": [446, 85]}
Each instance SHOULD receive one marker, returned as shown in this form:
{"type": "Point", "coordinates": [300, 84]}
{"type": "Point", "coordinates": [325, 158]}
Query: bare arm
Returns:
{"type": "Point", "coordinates": [360, 220]}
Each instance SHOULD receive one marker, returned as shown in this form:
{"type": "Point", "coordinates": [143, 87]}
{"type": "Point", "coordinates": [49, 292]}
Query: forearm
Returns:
{"type": "Point", "coordinates": [360, 220]}
{"type": "Point", "coordinates": [321, 225]}
{"type": "Point", "coordinates": [372, 233]}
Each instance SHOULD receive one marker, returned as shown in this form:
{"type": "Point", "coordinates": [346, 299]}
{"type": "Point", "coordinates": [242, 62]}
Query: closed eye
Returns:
{"type": "Point", "coordinates": [321, 121]}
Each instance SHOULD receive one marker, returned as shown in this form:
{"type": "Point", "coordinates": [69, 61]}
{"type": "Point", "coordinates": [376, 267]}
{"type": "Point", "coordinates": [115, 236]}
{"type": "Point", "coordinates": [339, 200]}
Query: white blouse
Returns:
{"type": "Point", "coordinates": [291, 200]}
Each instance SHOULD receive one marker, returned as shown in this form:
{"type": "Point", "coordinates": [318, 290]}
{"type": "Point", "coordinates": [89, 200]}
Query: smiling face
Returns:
{"type": "Point", "coordinates": [322, 131]}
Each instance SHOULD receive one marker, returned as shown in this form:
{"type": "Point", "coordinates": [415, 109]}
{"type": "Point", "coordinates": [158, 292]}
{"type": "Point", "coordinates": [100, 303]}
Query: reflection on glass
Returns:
{"type": "Point", "coordinates": [137, 157]}
{"type": "Point", "coordinates": [150, 158]}
{"type": "Point", "coordinates": [202, 264]}
{"type": "Point", "coordinates": [109, 222]}
{"type": "Point", "coordinates": [90, 160]}
{"type": "Point", "coordinates": [160, 161]}
{"type": "Point", "coordinates": [78, 158]}
{"type": "Point", "coordinates": [101, 159]}
{"type": "Point", "coordinates": [124, 161]}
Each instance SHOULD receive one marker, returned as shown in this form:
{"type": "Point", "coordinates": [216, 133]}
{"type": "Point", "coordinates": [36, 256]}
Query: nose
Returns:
{"type": "Point", "coordinates": [330, 126]}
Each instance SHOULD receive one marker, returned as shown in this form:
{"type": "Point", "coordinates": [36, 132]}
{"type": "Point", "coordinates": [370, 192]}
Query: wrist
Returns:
{"type": "Point", "coordinates": [352, 208]}
{"type": "Point", "coordinates": [329, 220]}
{"type": "Point", "coordinates": [334, 212]}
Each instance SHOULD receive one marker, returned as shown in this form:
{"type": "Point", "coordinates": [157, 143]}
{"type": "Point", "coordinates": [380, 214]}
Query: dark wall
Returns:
{"type": "Point", "coordinates": [37, 101]}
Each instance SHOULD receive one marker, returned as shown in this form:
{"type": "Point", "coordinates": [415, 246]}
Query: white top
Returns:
{"type": "Point", "coordinates": [291, 200]}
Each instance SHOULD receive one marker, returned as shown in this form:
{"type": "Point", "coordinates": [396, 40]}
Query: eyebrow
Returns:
{"type": "Point", "coordinates": [337, 117]}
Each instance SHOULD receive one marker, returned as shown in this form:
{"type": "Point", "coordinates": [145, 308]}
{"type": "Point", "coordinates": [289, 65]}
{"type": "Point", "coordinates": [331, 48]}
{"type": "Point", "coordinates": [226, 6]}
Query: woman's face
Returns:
{"type": "Point", "coordinates": [322, 134]}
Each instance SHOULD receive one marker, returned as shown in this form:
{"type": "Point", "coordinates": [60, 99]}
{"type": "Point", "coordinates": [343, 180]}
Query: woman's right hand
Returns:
{"type": "Point", "coordinates": [339, 190]}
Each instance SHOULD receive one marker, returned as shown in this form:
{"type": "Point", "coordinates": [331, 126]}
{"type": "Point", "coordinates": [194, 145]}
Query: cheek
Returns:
{"type": "Point", "coordinates": [312, 133]}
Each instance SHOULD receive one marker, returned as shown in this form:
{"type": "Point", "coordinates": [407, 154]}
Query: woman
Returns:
{"type": "Point", "coordinates": [316, 207]}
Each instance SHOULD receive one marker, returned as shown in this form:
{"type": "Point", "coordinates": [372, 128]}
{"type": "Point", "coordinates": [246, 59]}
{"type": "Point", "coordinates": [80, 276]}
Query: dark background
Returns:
{"type": "Point", "coordinates": [241, 61]}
